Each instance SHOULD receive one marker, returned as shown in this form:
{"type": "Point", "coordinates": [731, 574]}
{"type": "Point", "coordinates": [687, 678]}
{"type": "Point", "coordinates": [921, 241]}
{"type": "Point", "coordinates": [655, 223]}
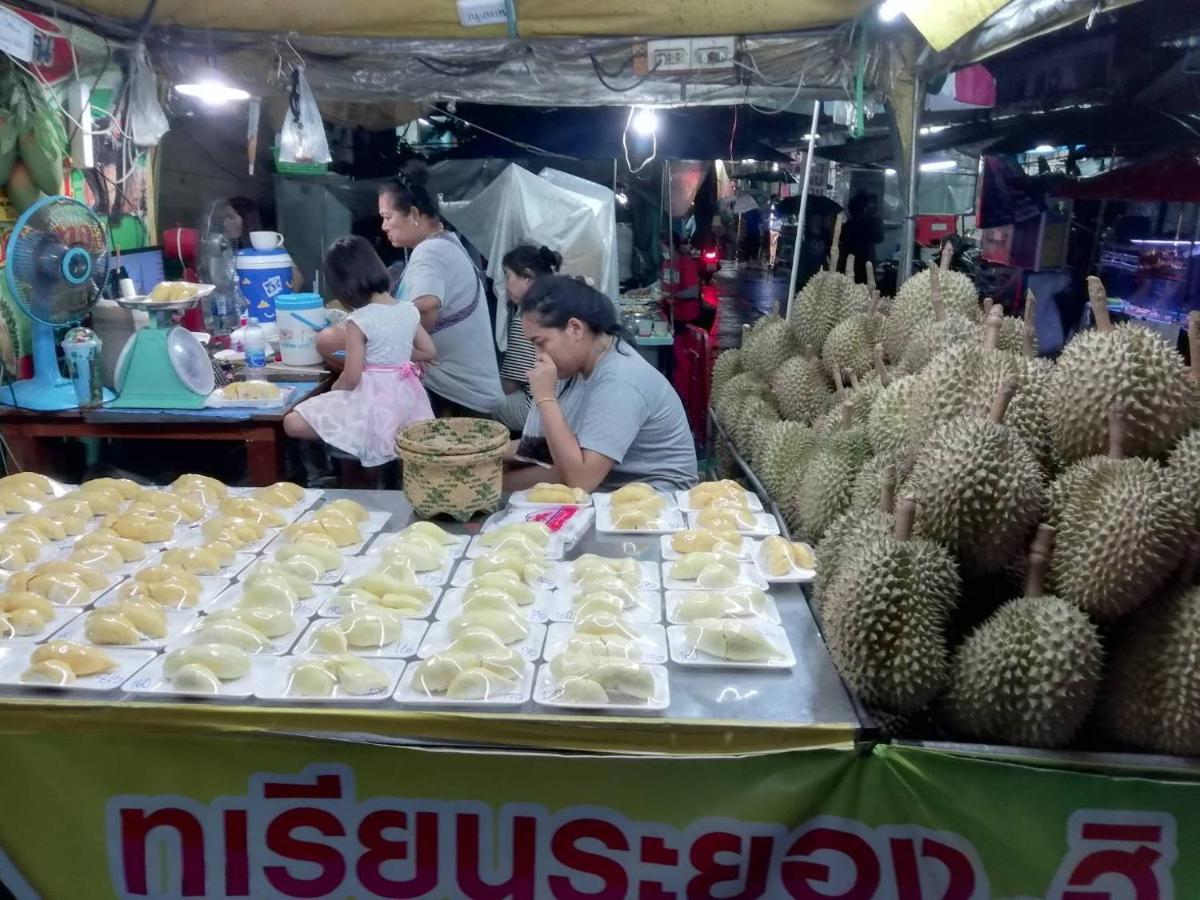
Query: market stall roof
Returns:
{"type": "Point", "coordinates": [1172, 179]}
{"type": "Point", "coordinates": [534, 18]}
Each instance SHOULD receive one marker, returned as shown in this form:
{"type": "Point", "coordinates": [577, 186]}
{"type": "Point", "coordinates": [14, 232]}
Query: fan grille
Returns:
{"type": "Point", "coordinates": [57, 263]}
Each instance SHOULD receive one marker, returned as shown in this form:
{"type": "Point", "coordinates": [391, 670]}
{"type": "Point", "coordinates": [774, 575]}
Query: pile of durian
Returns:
{"type": "Point", "coordinates": [1033, 584]}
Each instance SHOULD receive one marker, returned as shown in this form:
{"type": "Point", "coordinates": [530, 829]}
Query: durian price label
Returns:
{"type": "Point", "coordinates": [231, 814]}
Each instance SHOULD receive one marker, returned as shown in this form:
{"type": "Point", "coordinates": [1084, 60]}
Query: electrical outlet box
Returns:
{"type": "Point", "coordinates": [674, 55]}
{"type": "Point", "coordinates": [713, 52]}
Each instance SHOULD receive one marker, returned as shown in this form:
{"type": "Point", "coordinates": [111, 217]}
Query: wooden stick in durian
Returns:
{"type": "Point", "coordinates": [1098, 298]}
{"type": "Point", "coordinates": [871, 281]}
{"type": "Point", "coordinates": [1004, 394]}
{"type": "Point", "coordinates": [1029, 331]}
{"type": "Point", "coordinates": [1194, 346]}
{"type": "Point", "coordinates": [853, 379]}
{"type": "Point", "coordinates": [1039, 561]}
{"type": "Point", "coordinates": [838, 384]}
{"type": "Point", "coordinates": [850, 266]}
{"type": "Point", "coordinates": [887, 490]}
{"type": "Point", "coordinates": [880, 369]}
{"type": "Point", "coordinates": [947, 255]}
{"type": "Point", "coordinates": [834, 249]}
{"type": "Point", "coordinates": [935, 295]}
{"type": "Point", "coordinates": [988, 303]}
{"type": "Point", "coordinates": [906, 513]}
{"type": "Point", "coordinates": [991, 328]}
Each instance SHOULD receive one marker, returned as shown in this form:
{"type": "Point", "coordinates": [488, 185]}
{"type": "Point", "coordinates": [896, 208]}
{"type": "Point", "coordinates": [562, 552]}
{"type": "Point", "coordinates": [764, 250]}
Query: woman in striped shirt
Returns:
{"type": "Point", "coordinates": [522, 266]}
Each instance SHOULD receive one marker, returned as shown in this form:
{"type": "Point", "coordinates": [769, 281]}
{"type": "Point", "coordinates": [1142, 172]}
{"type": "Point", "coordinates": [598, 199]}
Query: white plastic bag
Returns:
{"type": "Point", "coordinates": [303, 139]}
{"type": "Point", "coordinates": [147, 123]}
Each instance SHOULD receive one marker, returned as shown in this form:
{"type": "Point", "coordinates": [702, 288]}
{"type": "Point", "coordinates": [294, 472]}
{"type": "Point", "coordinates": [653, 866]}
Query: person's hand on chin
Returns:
{"type": "Point", "coordinates": [543, 378]}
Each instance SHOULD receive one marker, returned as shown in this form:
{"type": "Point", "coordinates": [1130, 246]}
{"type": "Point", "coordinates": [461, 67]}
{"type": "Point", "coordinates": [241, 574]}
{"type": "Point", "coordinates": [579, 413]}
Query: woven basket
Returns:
{"type": "Point", "coordinates": [453, 467]}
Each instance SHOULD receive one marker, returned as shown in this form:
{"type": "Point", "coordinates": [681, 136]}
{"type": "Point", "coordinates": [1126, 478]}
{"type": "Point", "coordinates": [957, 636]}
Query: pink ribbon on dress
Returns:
{"type": "Point", "coordinates": [408, 368]}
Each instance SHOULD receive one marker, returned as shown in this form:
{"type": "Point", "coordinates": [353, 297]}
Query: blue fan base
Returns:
{"type": "Point", "coordinates": [44, 395]}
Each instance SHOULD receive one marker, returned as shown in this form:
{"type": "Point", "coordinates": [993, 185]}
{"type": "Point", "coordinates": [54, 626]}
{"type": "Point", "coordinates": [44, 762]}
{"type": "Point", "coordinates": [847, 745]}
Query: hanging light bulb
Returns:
{"type": "Point", "coordinates": [645, 121]}
{"type": "Point", "coordinates": [890, 10]}
{"type": "Point", "coordinates": [211, 89]}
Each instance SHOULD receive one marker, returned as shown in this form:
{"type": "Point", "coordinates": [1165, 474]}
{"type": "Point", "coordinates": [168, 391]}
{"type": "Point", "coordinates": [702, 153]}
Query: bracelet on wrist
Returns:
{"type": "Point", "coordinates": [545, 400]}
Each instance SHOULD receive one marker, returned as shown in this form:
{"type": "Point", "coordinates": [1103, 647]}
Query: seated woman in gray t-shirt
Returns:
{"type": "Point", "coordinates": [617, 420]}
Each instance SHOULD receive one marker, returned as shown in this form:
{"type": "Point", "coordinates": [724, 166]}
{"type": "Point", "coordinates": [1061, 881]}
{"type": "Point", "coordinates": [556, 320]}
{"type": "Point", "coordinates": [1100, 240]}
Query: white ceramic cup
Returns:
{"type": "Point", "coordinates": [266, 240]}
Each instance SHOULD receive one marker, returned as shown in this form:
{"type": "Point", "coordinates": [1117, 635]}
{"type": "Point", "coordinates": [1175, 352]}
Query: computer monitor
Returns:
{"type": "Point", "coordinates": [144, 265]}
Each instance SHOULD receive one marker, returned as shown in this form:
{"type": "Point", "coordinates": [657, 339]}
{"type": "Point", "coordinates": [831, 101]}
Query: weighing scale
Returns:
{"type": "Point", "coordinates": [163, 366]}
{"type": "Point", "coordinates": [56, 263]}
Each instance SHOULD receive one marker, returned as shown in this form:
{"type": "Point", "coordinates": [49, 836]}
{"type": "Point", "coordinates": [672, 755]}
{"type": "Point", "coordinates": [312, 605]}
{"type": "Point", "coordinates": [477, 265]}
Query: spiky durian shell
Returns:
{"type": "Point", "coordinates": [979, 492]}
{"type": "Point", "coordinates": [827, 299]}
{"type": "Point", "coordinates": [1151, 695]}
{"type": "Point", "coordinates": [846, 536]}
{"type": "Point", "coordinates": [869, 481]}
{"type": "Point", "coordinates": [728, 364]}
{"type": "Point", "coordinates": [887, 423]}
{"type": "Point", "coordinates": [787, 446]}
{"type": "Point", "coordinates": [826, 488]}
{"type": "Point", "coordinates": [733, 394]}
{"type": "Point", "coordinates": [801, 390]}
{"type": "Point", "coordinates": [726, 465]}
{"type": "Point", "coordinates": [1130, 366]}
{"type": "Point", "coordinates": [850, 346]}
{"type": "Point", "coordinates": [1011, 336]}
{"type": "Point", "coordinates": [932, 337]}
{"type": "Point", "coordinates": [885, 619]}
{"type": "Point", "coordinates": [1185, 462]}
{"type": "Point", "coordinates": [913, 307]}
{"type": "Point", "coordinates": [1123, 527]}
{"type": "Point", "coordinates": [767, 345]}
{"type": "Point", "coordinates": [754, 410]}
{"type": "Point", "coordinates": [1026, 676]}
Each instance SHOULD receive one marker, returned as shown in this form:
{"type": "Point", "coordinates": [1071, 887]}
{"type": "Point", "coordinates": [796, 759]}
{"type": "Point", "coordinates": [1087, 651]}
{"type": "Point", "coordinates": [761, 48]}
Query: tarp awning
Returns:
{"type": "Point", "coordinates": [1174, 179]}
{"type": "Point", "coordinates": [535, 18]}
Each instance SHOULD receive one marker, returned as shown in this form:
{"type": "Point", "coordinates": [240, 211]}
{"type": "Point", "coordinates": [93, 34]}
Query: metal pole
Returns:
{"type": "Point", "coordinates": [808, 162]}
{"type": "Point", "coordinates": [914, 170]}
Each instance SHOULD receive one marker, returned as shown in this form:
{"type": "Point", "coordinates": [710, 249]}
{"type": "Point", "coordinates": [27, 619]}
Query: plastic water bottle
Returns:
{"type": "Point", "coordinates": [255, 341]}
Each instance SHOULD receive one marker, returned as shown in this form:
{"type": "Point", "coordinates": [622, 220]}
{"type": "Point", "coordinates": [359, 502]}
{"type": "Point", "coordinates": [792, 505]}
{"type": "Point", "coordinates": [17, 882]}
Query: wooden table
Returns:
{"type": "Point", "coordinates": [27, 433]}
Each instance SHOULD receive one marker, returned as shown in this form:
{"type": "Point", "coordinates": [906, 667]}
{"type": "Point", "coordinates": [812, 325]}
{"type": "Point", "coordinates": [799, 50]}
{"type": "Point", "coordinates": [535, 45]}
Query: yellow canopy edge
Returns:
{"type": "Point", "coordinates": [536, 18]}
{"type": "Point", "coordinates": [943, 23]}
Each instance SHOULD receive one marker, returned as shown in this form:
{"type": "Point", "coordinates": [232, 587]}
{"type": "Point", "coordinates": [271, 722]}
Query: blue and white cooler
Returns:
{"type": "Point", "coordinates": [263, 275]}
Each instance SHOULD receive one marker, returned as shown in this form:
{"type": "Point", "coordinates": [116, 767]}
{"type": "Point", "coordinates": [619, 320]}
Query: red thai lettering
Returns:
{"type": "Point", "coordinates": [281, 841]}
{"type": "Point", "coordinates": [1137, 867]}
{"type": "Point", "coordinates": [802, 877]}
{"type": "Point", "coordinates": [711, 872]}
{"type": "Point", "coordinates": [136, 826]}
{"type": "Point", "coordinates": [520, 884]}
{"type": "Point", "coordinates": [907, 866]}
{"type": "Point", "coordinates": [960, 872]}
{"type": "Point", "coordinates": [237, 854]}
{"type": "Point", "coordinates": [564, 846]}
{"type": "Point", "coordinates": [381, 850]}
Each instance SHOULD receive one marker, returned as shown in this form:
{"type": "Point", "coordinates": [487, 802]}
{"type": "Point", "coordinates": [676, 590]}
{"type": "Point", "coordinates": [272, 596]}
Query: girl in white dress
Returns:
{"type": "Point", "coordinates": [379, 390]}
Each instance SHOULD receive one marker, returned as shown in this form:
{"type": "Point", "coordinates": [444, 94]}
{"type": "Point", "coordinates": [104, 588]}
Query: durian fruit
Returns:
{"type": "Point", "coordinates": [200, 560]}
{"type": "Point", "coordinates": [101, 556]}
{"type": "Point", "coordinates": [11, 502]}
{"type": "Point", "coordinates": [355, 676]}
{"type": "Point", "coordinates": [870, 479]}
{"type": "Point", "coordinates": [11, 601]}
{"type": "Point", "coordinates": [753, 410]}
{"type": "Point", "coordinates": [781, 556]}
{"type": "Point", "coordinates": [234, 632]}
{"type": "Point", "coordinates": [195, 678]}
{"type": "Point", "coordinates": [124, 488]}
{"type": "Point", "coordinates": [50, 671]}
{"type": "Point", "coordinates": [110, 627]}
{"type": "Point", "coordinates": [708, 570]}
{"type": "Point", "coordinates": [270, 622]}
{"type": "Point", "coordinates": [849, 532]}
{"type": "Point", "coordinates": [282, 494]}
{"type": "Point", "coordinates": [767, 344]}
{"type": "Point", "coordinates": [81, 659]}
{"type": "Point", "coordinates": [508, 627]}
{"type": "Point", "coordinates": [825, 487]}
{"type": "Point", "coordinates": [530, 571]}
{"type": "Point", "coordinates": [340, 529]}
{"type": "Point", "coordinates": [732, 639]}
{"type": "Point", "coordinates": [74, 508]}
{"type": "Point", "coordinates": [887, 422]}
{"type": "Point", "coordinates": [625, 569]}
{"type": "Point", "coordinates": [728, 543]}
{"type": "Point", "coordinates": [173, 507]}
{"type": "Point", "coordinates": [101, 501]}
{"type": "Point", "coordinates": [226, 662]}
{"type": "Point", "coordinates": [786, 447]}
{"type": "Point", "coordinates": [727, 364]}
{"type": "Point", "coordinates": [801, 389]}
{"type": "Point", "coordinates": [1028, 675]}
{"type": "Point", "coordinates": [980, 488]}
{"type": "Point", "coordinates": [1151, 693]}
{"type": "Point", "coordinates": [1124, 364]}
{"type": "Point", "coordinates": [1123, 526]}
{"type": "Point", "coordinates": [279, 572]}
{"type": "Point", "coordinates": [18, 551]}
{"type": "Point", "coordinates": [850, 346]}
{"type": "Point", "coordinates": [885, 617]}
{"type": "Point", "coordinates": [827, 298]}
{"type": "Point", "coordinates": [912, 305]}
{"type": "Point", "coordinates": [528, 532]}
{"type": "Point", "coordinates": [479, 684]}
{"type": "Point", "coordinates": [930, 337]}
{"type": "Point", "coordinates": [718, 494]}
{"type": "Point", "coordinates": [28, 484]}
{"type": "Point", "coordinates": [148, 529]}
{"type": "Point", "coordinates": [238, 533]}
{"type": "Point", "coordinates": [739, 601]}
{"type": "Point", "coordinates": [582, 690]}
{"type": "Point", "coordinates": [61, 582]}
{"type": "Point", "coordinates": [347, 509]}
{"type": "Point", "coordinates": [310, 679]}
{"type": "Point", "coordinates": [37, 527]}
{"type": "Point", "coordinates": [432, 532]}
{"type": "Point", "coordinates": [543, 492]}
{"type": "Point", "coordinates": [201, 488]}
{"type": "Point", "coordinates": [130, 551]}
{"type": "Point", "coordinates": [252, 510]}
{"type": "Point", "coordinates": [506, 583]}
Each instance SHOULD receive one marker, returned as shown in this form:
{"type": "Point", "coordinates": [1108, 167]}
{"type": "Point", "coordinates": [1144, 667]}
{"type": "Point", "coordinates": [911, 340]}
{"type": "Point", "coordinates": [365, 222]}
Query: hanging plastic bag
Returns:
{"type": "Point", "coordinates": [303, 139]}
{"type": "Point", "coordinates": [146, 123]}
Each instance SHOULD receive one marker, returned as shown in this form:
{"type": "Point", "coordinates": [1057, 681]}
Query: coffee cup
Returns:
{"type": "Point", "coordinates": [266, 240]}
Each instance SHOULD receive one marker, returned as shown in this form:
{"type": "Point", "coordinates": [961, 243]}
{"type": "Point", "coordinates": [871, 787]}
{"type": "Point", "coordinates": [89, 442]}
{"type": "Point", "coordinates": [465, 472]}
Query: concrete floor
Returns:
{"type": "Point", "coordinates": [745, 295]}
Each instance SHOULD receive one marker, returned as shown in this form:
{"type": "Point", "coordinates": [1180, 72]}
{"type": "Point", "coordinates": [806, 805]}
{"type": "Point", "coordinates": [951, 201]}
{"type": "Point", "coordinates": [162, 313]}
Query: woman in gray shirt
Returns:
{"type": "Point", "coordinates": [618, 421]}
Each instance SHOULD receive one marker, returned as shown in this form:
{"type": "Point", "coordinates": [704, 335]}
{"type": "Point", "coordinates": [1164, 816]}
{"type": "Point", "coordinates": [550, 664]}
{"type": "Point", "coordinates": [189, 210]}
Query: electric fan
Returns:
{"type": "Point", "coordinates": [57, 262]}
